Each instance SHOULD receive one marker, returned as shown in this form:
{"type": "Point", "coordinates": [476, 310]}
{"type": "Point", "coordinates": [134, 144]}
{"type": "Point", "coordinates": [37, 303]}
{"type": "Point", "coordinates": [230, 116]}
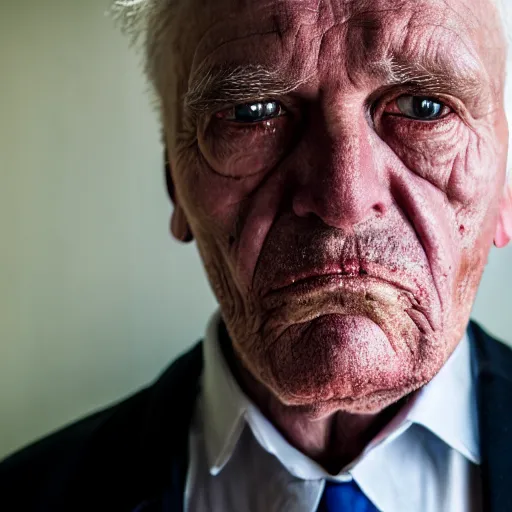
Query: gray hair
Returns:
{"type": "Point", "coordinates": [137, 17]}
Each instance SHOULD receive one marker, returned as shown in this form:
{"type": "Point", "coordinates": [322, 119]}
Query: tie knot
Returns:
{"type": "Point", "coordinates": [345, 497]}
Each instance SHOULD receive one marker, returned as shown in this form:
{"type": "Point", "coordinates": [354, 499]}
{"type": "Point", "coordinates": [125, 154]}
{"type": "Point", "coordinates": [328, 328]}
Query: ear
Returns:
{"type": "Point", "coordinates": [504, 228]}
{"type": "Point", "coordinates": [180, 228]}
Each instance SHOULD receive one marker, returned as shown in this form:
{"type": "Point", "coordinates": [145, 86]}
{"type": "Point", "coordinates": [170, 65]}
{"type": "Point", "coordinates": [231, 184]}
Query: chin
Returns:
{"type": "Point", "coordinates": [343, 362]}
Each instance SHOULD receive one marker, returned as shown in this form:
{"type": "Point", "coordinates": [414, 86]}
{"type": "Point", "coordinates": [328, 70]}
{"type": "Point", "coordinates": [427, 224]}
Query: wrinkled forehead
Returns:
{"type": "Point", "coordinates": [286, 33]}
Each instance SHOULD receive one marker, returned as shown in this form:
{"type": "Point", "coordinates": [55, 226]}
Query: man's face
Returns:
{"type": "Point", "coordinates": [340, 165]}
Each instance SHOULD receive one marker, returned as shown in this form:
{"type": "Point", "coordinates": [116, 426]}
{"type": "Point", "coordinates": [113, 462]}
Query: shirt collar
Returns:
{"type": "Point", "coordinates": [224, 402]}
{"type": "Point", "coordinates": [446, 406]}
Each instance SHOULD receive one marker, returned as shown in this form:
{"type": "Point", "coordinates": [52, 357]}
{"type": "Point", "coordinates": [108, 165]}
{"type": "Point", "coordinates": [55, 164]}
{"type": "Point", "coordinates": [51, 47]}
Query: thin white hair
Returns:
{"type": "Point", "coordinates": [138, 20]}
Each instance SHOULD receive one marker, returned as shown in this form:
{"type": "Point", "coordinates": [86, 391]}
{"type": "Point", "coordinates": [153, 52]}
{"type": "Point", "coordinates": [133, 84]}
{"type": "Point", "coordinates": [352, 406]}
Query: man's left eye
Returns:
{"type": "Point", "coordinates": [421, 108]}
{"type": "Point", "coordinates": [252, 112]}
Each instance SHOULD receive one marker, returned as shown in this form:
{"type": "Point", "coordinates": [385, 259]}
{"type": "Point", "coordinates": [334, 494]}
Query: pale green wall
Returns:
{"type": "Point", "coordinates": [95, 298]}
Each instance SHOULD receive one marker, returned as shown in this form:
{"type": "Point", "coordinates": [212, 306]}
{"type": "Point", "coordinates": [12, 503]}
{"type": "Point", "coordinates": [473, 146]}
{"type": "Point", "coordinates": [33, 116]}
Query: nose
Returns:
{"type": "Point", "coordinates": [341, 183]}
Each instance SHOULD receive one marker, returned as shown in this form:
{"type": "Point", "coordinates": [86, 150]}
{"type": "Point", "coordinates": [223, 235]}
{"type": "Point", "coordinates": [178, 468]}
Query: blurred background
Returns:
{"type": "Point", "coordinates": [95, 296]}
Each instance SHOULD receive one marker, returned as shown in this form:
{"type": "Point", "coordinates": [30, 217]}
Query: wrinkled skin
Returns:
{"type": "Point", "coordinates": [396, 214]}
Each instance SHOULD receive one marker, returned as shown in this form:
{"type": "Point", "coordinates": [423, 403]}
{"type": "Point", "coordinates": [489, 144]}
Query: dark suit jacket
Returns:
{"type": "Point", "coordinates": [132, 456]}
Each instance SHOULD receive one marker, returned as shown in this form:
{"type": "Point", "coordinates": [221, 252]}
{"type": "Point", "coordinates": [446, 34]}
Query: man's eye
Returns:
{"type": "Point", "coordinates": [252, 112]}
{"type": "Point", "coordinates": [421, 108]}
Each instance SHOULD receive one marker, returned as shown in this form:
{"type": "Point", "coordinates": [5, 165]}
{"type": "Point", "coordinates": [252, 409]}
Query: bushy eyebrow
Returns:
{"type": "Point", "coordinates": [469, 84]}
{"type": "Point", "coordinates": [217, 87]}
{"type": "Point", "coordinates": [220, 86]}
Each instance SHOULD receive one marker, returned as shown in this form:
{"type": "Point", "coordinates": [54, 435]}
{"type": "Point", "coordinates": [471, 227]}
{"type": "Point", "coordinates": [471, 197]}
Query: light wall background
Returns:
{"type": "Point", "coordinates": [95, 297]}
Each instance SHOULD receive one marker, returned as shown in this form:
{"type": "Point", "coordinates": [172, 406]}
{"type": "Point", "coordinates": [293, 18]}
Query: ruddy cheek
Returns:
{"type": "Point", "coordinates": [474, 172]}
{"type": "Point", "coordinates": [241, 150]}
{"type": "Point", "coordinates": [240, 159]}
{"type": "Point", "coordinates": [430, 150]}
{"type": "Point", "coordinates": [213, 201]}
{"type": "Point", "coordinates": [225, 167]}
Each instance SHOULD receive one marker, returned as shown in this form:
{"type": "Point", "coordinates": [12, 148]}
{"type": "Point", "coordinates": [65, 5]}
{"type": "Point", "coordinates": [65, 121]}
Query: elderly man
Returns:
{"type": "Point", "coordinates": [341, 166]}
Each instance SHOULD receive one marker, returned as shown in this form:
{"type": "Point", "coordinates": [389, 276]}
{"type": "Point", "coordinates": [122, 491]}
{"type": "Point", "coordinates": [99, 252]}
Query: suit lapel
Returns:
{"type": "Point", "coordinates": [167, 433]}
{"type": "Point", "coordinates": [492, 366]}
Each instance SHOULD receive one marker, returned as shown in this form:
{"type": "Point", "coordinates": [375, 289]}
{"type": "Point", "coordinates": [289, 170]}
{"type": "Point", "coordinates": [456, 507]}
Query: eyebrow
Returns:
{"type": "Point", "coordinates": [221, 86]}
{"type": "Point", "coordinates": [469, 84]}
{"type": "Point", "coordinates": [218, 87]}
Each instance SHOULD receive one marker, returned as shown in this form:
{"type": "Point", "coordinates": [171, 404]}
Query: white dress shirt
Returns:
{"type": "Point", "coordinates": [425, 460]}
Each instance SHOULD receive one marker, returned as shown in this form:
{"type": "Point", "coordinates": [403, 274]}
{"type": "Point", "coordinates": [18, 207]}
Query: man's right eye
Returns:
{"type": "Point", "coordinates": [252, 112]}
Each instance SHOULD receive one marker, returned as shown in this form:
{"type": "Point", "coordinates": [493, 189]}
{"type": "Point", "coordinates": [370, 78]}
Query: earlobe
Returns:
{"type": "Point", "coordinates": [504, 228]}
{"type": "Point", "coordinates": [179, 225]}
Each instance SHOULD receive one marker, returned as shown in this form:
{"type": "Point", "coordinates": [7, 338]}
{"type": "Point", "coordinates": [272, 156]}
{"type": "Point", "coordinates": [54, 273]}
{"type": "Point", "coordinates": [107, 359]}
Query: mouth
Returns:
{"type": "Point", "coordinates": [315, 283]}
{"type": "Point", "coordinates": [318, 287]}
{"type": "Point", "coordinates": [338, 293]}
{"type": "Point", "coordinates": [320, 282]}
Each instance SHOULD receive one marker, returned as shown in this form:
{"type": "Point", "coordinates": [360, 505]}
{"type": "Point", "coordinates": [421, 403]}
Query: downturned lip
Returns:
{"type": "Point", "coordinates": [308, 282]}
{"type": "Point", "coordinates": [284, 282]}
{"type": "Point", "coordinates": [325, 282]}
{"type": "Point", "coordinates": [316, 285]}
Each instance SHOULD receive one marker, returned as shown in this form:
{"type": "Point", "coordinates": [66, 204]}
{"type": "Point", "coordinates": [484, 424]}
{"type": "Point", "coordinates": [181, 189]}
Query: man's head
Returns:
{"type": "Point", "coordinates": [341, 166]}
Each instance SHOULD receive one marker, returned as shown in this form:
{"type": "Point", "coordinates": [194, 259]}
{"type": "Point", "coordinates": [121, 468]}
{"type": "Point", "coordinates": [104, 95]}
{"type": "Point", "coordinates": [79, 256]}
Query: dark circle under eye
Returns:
{"type": "Point", "coordinates": [421, 108]}
{"type": "Point", "coordinates": [255, 112]}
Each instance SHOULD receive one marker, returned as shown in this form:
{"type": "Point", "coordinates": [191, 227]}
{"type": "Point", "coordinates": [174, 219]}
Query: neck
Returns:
{"type": "Point", "coordinates": [333, 441]}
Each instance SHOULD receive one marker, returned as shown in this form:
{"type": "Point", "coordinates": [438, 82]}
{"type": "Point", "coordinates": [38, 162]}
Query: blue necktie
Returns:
{"type": "Point", "coordinates": [345, 497]}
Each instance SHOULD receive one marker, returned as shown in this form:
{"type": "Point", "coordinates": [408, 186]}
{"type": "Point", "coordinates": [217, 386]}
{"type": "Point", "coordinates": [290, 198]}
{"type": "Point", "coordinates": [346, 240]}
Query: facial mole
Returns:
{"type": "Point", "coordinates": [378, 208]}
{"type": "Point", "coordinates": [369, 297]}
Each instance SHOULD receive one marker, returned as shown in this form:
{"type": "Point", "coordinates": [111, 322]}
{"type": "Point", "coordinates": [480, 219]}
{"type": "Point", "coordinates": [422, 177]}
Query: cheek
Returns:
{"type": "Point", "coordinates": [473, 180]}
{"type": "Point", "coordinates": [456, 167]}
{"type": "Point", "coordinates": [217, 207]}
{"type": "Point", "coordinates": [430, 150]}
{"type": "Point", "coordinates": [216, 175]}
{"type": "Point", "coordinates": [459, 161]}
{"type": "Point", "coordinates": [212, 201]}
{"type": "Point", "coordinates": [242, 151]}
{"type": "Point", "coordinates": [468, 276]}
{"type": "Point", "coordinates": [461, 164]}
{"type": "Point", "coordinates": [223, 181]}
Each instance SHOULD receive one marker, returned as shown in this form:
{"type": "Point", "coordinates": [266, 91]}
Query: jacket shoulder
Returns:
{"type": "Point", "coordinates": [494, 356]}
{"type": "Point", "coordinates": [106, 455]}
{"type": "Point", "coordinates": [37, 474]}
